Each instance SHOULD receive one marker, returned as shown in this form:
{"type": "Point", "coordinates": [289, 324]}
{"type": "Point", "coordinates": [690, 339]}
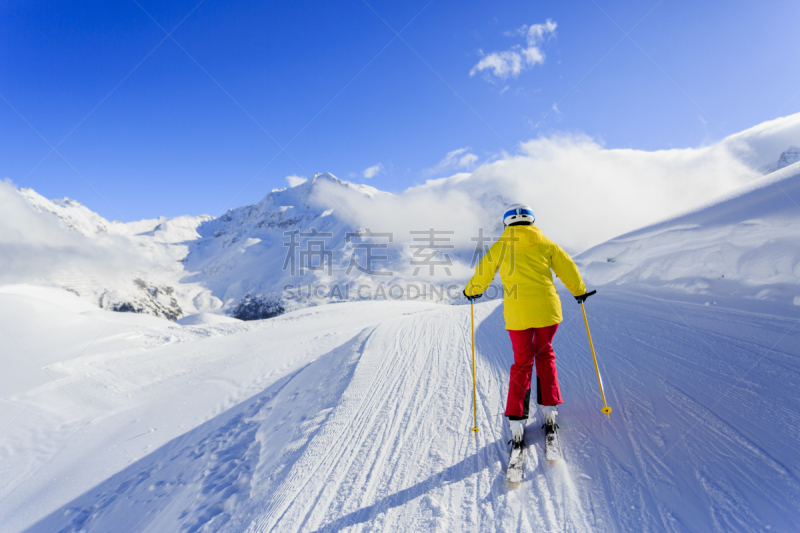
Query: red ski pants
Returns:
{"type": "Point", "coordinates": [534, 344]}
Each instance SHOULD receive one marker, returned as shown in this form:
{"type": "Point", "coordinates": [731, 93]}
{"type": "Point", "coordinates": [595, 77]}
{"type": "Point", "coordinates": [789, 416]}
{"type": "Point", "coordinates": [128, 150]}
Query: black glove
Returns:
{"type": "Point", "coordinates": [471, 298]}
{"type": "Point", "coordinates": [582, 298]}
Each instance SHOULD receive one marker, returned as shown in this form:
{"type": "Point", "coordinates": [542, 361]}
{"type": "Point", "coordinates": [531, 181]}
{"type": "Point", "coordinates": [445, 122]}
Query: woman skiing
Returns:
{"type": "Point", "coordinates": [532, 310]}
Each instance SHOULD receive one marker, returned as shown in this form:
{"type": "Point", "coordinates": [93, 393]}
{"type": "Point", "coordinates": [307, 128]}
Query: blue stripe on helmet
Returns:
{"type": "Point", "coordinates": [517, 211]}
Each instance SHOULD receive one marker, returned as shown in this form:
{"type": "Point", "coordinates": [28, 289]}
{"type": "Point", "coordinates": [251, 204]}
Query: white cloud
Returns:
{"type": "Point", "coordinates": [373, 171]}
{"type": "Point", "coordinates": [467, 160]}
{"type": "Point", "coordinates": [510, 63]}
{"type": "Point", "coordinates": [455, 160]}
{"type": "Point", "coordinates": [37, 247]}
{"type": "Point", "coordinates": [582, 193]}
{"type": "Point", "coordinates": [294, 181]}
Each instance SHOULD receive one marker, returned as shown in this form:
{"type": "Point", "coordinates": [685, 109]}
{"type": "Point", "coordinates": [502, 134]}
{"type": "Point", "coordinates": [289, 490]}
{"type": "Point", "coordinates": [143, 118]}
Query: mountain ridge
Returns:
{"type": "Point", "coordinates": [242, 262]}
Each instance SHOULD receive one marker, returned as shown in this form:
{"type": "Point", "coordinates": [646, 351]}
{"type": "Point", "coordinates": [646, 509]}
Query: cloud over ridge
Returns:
{"type": "Point", "coordinates": [582, 192]}
{"type": "Point", "coordinates": [458, 159]}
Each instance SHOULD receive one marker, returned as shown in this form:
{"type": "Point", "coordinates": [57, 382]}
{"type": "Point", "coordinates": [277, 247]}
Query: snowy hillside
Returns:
{"type": "Point", "coordinates": [356, 417]}
{"type": "Point", "coordinates": [118, 266]}
{"type": "Point", "coordinates": [747, 244]}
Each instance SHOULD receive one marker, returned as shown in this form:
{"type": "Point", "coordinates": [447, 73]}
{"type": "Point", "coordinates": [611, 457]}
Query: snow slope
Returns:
{"type": "Point", "coordinates": [102, 389]}
{"type": "Point", "coordinates": [356, 417]}
{"type": "Point", "coordinates": [747, 244]}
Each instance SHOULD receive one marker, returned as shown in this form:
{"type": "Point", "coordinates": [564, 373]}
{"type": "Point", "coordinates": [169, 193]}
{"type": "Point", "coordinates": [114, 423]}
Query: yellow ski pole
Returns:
{"type": "Point", "coordinates": [606, 409]}
{"type": "Point", "coordinates": [474, 394]}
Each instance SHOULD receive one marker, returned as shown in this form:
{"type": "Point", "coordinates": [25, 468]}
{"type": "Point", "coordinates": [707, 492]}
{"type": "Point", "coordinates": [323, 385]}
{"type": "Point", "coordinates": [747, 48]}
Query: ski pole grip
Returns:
{"type": "Point", "coordinates": [582, 298]}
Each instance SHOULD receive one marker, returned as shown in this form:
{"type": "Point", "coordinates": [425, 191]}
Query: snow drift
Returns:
{"type": "Point", "coordinates": [747, 244]}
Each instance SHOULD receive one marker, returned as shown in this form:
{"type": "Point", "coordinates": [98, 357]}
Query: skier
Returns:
{"type": "Point", "coordinates": [532, 311]}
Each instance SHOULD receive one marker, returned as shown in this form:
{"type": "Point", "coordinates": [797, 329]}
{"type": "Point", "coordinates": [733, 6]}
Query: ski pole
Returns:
{"type": "Point", "coordinates": [606, 409]}
{"type": "Point", "coordinates": [474, 394]}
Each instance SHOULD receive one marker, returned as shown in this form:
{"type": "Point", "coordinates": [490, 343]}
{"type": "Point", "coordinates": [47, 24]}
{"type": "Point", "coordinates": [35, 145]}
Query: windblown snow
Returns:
{"type": "Point", "coordinates": [356, 416]}
{"type": "Point", "coordinates": [747, 245]}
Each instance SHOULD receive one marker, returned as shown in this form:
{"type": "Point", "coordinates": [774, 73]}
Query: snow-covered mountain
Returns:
{"type": "Point", "coordinates": [746, 244]}
{"type": "Point", "coordinates": [294, 235]}
{"type": "Point", "coordinates": [315, 238]}
{"type": "Point", "coordinates": [305, 238]}
{"type": "Point", "coordinates": [327, 240]}
{"type": "Point", "coordinates": [788, 157]}
{"type": "Point", "coordinates": [117, 266]}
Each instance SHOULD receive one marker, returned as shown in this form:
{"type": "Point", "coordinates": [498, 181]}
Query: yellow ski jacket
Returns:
{"type": "Point", "coordinates": [524, 257]}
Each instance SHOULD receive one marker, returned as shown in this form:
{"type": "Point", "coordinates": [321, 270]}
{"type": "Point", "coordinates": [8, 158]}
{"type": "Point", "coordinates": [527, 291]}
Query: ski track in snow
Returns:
{"type": "Point", "coordinates": [375, 434]}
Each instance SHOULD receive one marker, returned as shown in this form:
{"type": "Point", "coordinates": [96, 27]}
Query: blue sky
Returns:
{"type": "Point", "coordinates": [155, 126]}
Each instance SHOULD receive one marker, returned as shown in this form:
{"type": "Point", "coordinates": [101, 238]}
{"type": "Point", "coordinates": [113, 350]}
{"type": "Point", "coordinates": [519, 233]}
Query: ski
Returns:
{"type": "Point", "coordinates": [515, 472]}
{"type": "Point", "coordinates": [552, 446]}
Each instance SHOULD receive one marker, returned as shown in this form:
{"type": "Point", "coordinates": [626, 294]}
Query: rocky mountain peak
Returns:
{"type": "Point", "coordinates": [788, 157]}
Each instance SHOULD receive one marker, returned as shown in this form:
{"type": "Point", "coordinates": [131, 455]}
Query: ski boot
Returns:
{"type": "Point", "coordinates": [549, 412]}
{"type": "Point", "coordinates": [517, 431]}
{"type": "Point", "coordinates": [552, 448]}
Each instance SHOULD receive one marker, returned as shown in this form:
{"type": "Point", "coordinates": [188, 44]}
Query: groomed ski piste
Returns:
{"type": "Point", "coordinates": [357, 416]}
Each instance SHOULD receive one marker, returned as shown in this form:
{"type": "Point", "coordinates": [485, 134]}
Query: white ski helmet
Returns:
{"type": "Point", "coordinates": [518, 213]}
